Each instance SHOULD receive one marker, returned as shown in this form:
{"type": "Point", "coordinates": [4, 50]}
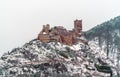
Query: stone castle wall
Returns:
{"type": "Point", "coordinates": [60, 34]}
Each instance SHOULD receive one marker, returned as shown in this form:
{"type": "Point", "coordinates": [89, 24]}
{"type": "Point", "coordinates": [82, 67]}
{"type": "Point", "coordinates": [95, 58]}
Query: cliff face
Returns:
{"type": "Point", "coordinates": [53, 59]}
{"type": "Point", "coordinates": [107, 36]}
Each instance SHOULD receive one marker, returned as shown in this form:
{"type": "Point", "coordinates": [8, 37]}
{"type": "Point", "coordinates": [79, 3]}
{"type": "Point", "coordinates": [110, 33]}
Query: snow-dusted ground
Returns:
{"type": "Point", "coordinates": [54, 59]}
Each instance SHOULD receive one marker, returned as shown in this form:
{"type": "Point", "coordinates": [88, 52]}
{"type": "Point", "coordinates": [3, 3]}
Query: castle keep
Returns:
{"type": "Point", "coordinates": [60, 34]}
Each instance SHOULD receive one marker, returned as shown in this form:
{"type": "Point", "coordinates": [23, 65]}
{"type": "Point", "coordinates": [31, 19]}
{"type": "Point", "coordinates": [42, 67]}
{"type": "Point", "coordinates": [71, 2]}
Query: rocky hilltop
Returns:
{"type": "Point", "coordinates": [53, 59]}
{"type": "Point", "coordinates": [58, 52]}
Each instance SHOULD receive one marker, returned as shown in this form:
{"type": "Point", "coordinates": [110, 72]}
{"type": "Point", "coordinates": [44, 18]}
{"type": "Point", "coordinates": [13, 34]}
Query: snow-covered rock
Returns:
{"type": "Point", "coordinates": [53, 59]}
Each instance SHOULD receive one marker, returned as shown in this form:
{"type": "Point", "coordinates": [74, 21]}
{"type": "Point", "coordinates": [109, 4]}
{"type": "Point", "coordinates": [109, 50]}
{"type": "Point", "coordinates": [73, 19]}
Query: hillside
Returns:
{"type": "Point", "coordinates": [107, 36]}
{"type": "Point", "coordinates": [53, 59]}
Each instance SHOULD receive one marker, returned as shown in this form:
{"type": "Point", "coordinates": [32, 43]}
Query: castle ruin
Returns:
{"type": "Point", "coordinates": [60, 34]}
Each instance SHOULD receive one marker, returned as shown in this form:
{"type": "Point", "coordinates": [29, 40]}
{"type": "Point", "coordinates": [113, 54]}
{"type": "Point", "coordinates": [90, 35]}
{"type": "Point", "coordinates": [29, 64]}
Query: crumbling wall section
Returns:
{"type": "Point", "coordinates": [60, 34]}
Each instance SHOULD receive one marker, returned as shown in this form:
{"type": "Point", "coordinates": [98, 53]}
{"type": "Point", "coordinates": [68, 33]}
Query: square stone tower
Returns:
{"type": "Point", "coordinates": [78, 26]}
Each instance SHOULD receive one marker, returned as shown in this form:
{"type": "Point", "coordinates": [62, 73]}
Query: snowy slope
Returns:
{"type": "Point", "coordinates": [107, 37]}
{"type": "Point", "coordinates": [53, 59]}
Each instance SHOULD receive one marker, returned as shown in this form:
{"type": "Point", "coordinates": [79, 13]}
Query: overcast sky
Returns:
{"type": "Point", "coordinates": [22, 20]}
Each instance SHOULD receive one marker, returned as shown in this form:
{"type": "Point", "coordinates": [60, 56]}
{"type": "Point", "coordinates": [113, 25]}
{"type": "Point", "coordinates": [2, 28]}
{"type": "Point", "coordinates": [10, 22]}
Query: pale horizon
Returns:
{"type": "Point", "coordinates": [21, 21]}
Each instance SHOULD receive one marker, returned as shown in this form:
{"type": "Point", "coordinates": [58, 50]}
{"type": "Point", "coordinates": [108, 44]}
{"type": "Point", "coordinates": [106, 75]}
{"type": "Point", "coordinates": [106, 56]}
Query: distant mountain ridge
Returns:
{"type": "Point", "coordinates": [109, 26]}
{"type": "Point", "coordinates": [107, 35]}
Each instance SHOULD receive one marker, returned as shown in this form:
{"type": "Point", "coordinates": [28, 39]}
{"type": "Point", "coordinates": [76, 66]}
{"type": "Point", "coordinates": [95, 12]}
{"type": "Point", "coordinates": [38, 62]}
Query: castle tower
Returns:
{"type": "Point", "coordinates": [78, 25]}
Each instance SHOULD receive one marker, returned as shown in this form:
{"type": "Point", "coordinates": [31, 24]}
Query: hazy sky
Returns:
{"type": "Point", "coordinates": [22, 20]}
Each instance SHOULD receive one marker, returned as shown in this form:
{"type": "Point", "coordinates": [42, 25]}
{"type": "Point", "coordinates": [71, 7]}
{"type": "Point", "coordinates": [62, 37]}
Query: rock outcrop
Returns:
{"type": "Point", "coordinates": [58, 52]}
{"type": "Point", "coordinates": [54, 59]}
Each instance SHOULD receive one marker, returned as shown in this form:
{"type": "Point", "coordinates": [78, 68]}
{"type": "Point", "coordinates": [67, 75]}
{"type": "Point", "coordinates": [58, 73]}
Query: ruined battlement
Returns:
{"type": "Point", "coordinates": [60, 34]}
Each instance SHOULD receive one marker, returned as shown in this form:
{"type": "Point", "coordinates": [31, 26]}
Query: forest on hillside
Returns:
{"type": "Point", "coordinates": [108, 38]}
